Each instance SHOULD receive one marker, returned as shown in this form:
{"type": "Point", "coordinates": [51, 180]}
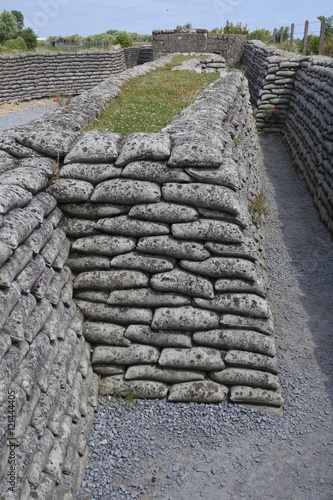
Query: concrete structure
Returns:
{"type": "Point", "coordinates": [200, 41]}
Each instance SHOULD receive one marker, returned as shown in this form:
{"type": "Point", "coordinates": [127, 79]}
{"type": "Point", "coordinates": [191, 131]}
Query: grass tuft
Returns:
{"type": "Point", "coordinates": [258, 207]}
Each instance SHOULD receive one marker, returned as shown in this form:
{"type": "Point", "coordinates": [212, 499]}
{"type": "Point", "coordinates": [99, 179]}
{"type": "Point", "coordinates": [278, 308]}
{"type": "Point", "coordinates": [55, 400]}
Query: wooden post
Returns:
{"type": "Point", "coordinates": [267, 33]}
{"type": "Point", "coordinates": [281, 34]}
{"type": "Point", "coordinates": [321, 40]}
{"type": "Point", "coordinates": [261, 35]}
{"type": "Point", "coordinates": [292, 29]}
{"type": "Point", "coordinates": [305, 41]}
{"type": "Point", "coordinates": [274, 35]}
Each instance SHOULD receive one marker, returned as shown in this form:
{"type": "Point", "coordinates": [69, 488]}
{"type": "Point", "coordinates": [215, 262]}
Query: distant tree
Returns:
{"type": "Point", "coordinates": [123, 39]}
{"type": "Point", "coordinates": [235, 29]}
{"type": "Point", "coordinates": [19, 19]}
{"type": "Point", "coordinates": [29, 37]}
{"type": "Point", "coordinates": [8, 26]}
{"type": "Point", "coordinates": [286, 34]}
{"type": "Point", "coordinates": [187, 26]}
{"type": "Point", "coordinates": [113, 32]}
{"type": "Point", "coordinates": [232, 29]}
{"type": "Point", "coordinates": [261, 34]}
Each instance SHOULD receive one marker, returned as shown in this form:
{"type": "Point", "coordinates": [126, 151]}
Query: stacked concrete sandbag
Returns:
{"type": "Point", "coordinates": [271, 75]}
{"type": "Point", "coordinates": [308, 133]}
{"type": "Point", "coordinates": [168, 262]}
{"type": "Point", "coordinates": [47, 388]}
{"type": "Point", "coordinates": [34, 76]}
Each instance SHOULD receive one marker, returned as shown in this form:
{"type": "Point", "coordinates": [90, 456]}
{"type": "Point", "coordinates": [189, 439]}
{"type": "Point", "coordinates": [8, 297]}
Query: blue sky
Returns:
{"type": "Point", "coordinates": [67, 17]}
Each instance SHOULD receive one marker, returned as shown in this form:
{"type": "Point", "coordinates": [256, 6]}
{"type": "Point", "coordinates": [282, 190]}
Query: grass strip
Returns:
{"type": "Point", "coordinates": [148, 103]}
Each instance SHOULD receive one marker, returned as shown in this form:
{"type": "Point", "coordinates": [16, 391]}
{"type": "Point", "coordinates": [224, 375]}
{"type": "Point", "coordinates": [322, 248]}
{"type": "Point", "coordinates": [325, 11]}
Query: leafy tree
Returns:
{"type": "Point", "coordinates": [232, 29]}
{"type": "Point", "coordinates": [237, 29]}
{"type": "Point", "coordinates": [8, 26]}
{"type": "Point", "coordinates": [29, 37]}
{"type": "Point", "coordinates": [113, 32]}
{"type": "Point", "coordinates": [19, 19]}
{"type": "Point", "coordinates": [312, 45]}
{"type": "Point", "coordinates": [286, 34]}
{"type": "Point", "coordinates": [261, 34]}
{"type": "Point", "coordinates": [102, 37]}
{"type": "Point", "coordinates": [123, 39]}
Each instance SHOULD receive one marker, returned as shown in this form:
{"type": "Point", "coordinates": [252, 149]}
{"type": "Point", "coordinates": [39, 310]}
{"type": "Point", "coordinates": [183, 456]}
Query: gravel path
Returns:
{"type": "Point", "coordinates": [32, 111]}
{"type": "Point", "coordinates": [150, 449]}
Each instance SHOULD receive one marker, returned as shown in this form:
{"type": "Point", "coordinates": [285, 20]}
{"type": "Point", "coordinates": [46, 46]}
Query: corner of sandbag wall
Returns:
{"type": "Point", "coordinates": [169, 265]}
{"type": "Point", "coordinates": [271, 75]}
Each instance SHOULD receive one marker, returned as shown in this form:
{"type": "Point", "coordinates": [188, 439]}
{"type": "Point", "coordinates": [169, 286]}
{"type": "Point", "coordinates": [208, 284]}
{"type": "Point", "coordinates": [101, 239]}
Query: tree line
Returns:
{"type": "Point", "coordinates": [14, 36]}
{"type": "Point", "coordinates": [110, 37]}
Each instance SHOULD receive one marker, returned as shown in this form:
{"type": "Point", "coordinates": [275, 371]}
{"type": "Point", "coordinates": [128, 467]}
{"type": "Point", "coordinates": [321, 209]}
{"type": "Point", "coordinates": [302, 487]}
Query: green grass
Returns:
{"type": "Point", "coordinates": [148, 103]}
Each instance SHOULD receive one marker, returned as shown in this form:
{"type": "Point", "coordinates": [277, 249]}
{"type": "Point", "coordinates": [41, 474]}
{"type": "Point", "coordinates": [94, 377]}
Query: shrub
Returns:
{"type": "Point", "coordinates": [29, 37]}
{"type": "Point", "coordinates": [15, 44]}
{"type": "Point", "coordinates": [123, 39]}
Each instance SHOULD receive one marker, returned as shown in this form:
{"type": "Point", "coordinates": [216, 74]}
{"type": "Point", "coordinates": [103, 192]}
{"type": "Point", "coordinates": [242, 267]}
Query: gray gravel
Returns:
{"type": "Point", "coordinates": [151, 449]}
{"type": "Point", "coordinates": [17, 118]}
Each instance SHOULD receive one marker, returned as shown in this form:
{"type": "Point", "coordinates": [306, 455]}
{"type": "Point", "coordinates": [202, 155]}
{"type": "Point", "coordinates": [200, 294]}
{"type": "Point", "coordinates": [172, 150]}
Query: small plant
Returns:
{"type": "Point", "coordinates": [257, 207]}
{"type": "Point", "coordinates": [271, 114]}
{"type": "Point", "coordinates": [124, 395]}
{"type": "Point", "coordinates": [237, 140]}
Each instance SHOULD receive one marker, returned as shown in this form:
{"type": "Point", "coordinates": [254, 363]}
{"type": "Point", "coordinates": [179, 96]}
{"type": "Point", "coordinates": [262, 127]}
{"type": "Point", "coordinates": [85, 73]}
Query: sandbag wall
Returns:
{"type": "Point", "coordinates": [34, 76]}
{"type": "Point", "coordinates": [293, 96]}
{"type": "Point", "coordinates": [308, 134]}
{"type": "Point", "coordinates": [271, 74]}
{"type": "Point", "coordinates": [47, 388]}
{"type": "Point", "coordinates": [168, 263]}
{"type": "Point", "coordinates": [138, 55]}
